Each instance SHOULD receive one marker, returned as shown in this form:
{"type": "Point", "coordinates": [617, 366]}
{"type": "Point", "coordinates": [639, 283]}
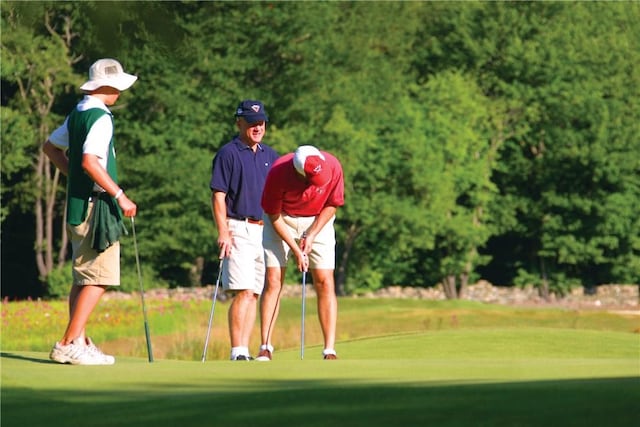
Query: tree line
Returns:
{"type": "Point", "coordinates": [479, 140]}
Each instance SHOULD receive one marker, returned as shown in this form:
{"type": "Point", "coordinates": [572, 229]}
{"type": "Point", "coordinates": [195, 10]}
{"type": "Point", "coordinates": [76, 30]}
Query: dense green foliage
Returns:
{"type": "Point", "coordinates": [494, 140]}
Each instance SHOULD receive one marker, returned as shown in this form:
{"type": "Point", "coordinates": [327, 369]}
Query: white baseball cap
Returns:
{"type": "Point", "coordinates": [108, 72]}
{"type": "Point", "coordinates": [310, 163]}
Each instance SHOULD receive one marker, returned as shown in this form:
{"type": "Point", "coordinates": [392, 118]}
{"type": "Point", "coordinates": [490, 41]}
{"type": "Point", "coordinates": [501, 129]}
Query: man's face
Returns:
{"type": "Point", "coordinates": [110, 94]}
{"type": "Point", "coordinates": [253, 133]}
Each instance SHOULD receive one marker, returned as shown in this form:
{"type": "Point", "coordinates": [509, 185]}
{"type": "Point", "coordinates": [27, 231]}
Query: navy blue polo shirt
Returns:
{"type": "Point", "coordinates": [240, 173]}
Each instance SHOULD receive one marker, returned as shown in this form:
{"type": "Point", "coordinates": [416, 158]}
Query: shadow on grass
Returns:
{"type": "Point", "coordinates": [26, 358]}
{"type": "Point", "coordinates": [589, 402]}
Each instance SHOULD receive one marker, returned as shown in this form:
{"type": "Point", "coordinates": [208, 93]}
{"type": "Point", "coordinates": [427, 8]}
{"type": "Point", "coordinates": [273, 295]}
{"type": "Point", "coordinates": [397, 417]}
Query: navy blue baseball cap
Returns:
{"type": "Point", "coordinates": [252, 111]}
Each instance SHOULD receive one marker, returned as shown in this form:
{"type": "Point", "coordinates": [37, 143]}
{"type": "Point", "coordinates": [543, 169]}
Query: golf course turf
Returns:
{"type": "Point", "coordinates": [492, 366]}
{"type": "Point", "coordinates": [450, 378]}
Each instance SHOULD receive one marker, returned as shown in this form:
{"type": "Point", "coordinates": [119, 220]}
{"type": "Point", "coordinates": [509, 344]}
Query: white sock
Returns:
{"type": "Point", "coordinates": [239, 351]}
{"type": "Point", "coordinates": [327, 351]}
{"type": "Point", "coordinates": [80, 341]}
{"type": "Point", "coordinates": [267, 347]}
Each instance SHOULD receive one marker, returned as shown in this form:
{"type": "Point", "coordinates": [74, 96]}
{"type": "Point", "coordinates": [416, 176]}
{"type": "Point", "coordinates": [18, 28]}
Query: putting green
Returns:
{"type": "Point", "coordinates": [508, 376]}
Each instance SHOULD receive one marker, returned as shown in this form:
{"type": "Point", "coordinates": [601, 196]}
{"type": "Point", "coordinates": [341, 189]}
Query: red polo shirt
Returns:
{"type": "Point", "coordinates": [288, 192]}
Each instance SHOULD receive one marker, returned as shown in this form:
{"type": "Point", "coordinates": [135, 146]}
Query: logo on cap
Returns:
{"type": "Point", "coordinates": [252, 111]}
{"type": "Point", "coordinates": [310, 162]}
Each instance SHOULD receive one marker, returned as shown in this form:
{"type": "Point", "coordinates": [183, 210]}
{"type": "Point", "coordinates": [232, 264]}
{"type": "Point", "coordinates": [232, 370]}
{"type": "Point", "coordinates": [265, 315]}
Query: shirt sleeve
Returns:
{"type": "Point", "coordinates": [221, 170]}
{"type": "Point", "coordinates": [336, 197]}
{"type": "Point", "coordinates": [60, 136]}
{"type": "Point", "coordinates": [271, 201]}
{"type": "Point", "coordinates": [99, 137]}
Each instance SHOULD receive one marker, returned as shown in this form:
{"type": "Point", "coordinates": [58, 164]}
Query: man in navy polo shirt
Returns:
{"type": "Point", "coordinates": [238, 174]}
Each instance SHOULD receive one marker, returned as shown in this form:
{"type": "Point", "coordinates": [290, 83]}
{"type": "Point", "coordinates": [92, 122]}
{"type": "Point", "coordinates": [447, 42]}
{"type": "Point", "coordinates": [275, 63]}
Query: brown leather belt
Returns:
{"type": "Point", "coordinates": [250, 220]}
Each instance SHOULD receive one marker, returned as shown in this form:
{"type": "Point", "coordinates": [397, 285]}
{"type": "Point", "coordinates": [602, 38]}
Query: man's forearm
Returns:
{"type": "Point", "coordinates": [57, 156]}
{"type": "Point", "coordinates": [322, 219]}
{"type": "Point", "coordinates": [281, 229]}
{"type": "Point", "coordinates": [219, 211]}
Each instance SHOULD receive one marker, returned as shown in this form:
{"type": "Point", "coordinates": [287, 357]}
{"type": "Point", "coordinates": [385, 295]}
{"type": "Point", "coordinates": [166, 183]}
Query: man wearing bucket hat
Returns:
{"type": "Point", "coordinates": [83, 148]}
{"type": "Point", "coordinates": [238, 174]}
{"type": "Point", "coordinates": [301, 195]}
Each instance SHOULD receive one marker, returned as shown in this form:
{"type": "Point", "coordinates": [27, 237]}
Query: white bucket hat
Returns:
{"type": "Point", "coordinates": [108, 72]}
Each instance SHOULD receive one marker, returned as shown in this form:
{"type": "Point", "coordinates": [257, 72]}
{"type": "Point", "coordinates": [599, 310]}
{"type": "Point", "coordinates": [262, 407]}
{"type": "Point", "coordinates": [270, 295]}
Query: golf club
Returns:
{"type": "Point", "coordinates": [304, 298]}
{"type": "Point", "coordinates": [144, 308]}
{"type": "Point", "coordinates": [213, 307]}
{"type": "Point", "coordinates": [304, 293]}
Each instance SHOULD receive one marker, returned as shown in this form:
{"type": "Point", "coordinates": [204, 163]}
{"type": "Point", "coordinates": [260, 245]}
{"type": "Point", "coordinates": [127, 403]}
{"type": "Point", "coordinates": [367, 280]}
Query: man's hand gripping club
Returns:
{"type": "Point", "coordinates": [303, 259]}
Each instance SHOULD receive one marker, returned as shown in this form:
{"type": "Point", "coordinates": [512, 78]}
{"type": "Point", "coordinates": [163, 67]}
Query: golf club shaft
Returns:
{"type": "Point", "coordinates": [304, 293]}
{"type": "Point", "coordinates": [213, 306]}
{"type": "Point", "coordinates": [144, 307]}
{"type": "Point", "coordinates": [304, 300]}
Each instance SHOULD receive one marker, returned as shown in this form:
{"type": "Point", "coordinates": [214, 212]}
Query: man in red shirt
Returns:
{"type": "Point", "coordinates": [301, 195]}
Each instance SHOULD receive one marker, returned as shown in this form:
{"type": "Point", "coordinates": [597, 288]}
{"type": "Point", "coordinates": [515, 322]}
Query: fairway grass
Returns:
{"type": "Point", "coordinates": [179, 327]}
{"type": "Point", "coordinates": [488, 377]}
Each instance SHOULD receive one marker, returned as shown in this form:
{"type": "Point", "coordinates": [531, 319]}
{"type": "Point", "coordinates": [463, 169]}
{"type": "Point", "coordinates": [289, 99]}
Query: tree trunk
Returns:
{"type": "Point", "coordinates": [46, 189]}
{"type": "Point", "coordinates": [195, 272]}
{"type": "Point", "coordinates": [543, 289]}
{"type": "Point", "coordinates": [51, 197]}
{"type": "Point", "coordinates": [464, 276]}
{"type": "Point", "coordinates": [341, 276]}
{"type": "Point", "coordinates": [40, 246]}
{"type": "Point", "coordinates": [464, 282]}
{"type": "Point", "coordinates": [47, 179]}
{"type": "Point", "coordinates": [449, 286]}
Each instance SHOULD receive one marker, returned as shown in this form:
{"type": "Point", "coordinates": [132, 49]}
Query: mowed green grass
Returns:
{"type": "Point", "coordinates": [442, 364]}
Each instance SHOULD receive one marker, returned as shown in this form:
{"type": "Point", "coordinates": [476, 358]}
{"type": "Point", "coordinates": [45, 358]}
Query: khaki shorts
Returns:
{"type": "Point", "coordinates": [322, 255]}
{"type": "Point", "coordinates": [91, 267]}
{"type": "Point", "coordinates": [244, 268]}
